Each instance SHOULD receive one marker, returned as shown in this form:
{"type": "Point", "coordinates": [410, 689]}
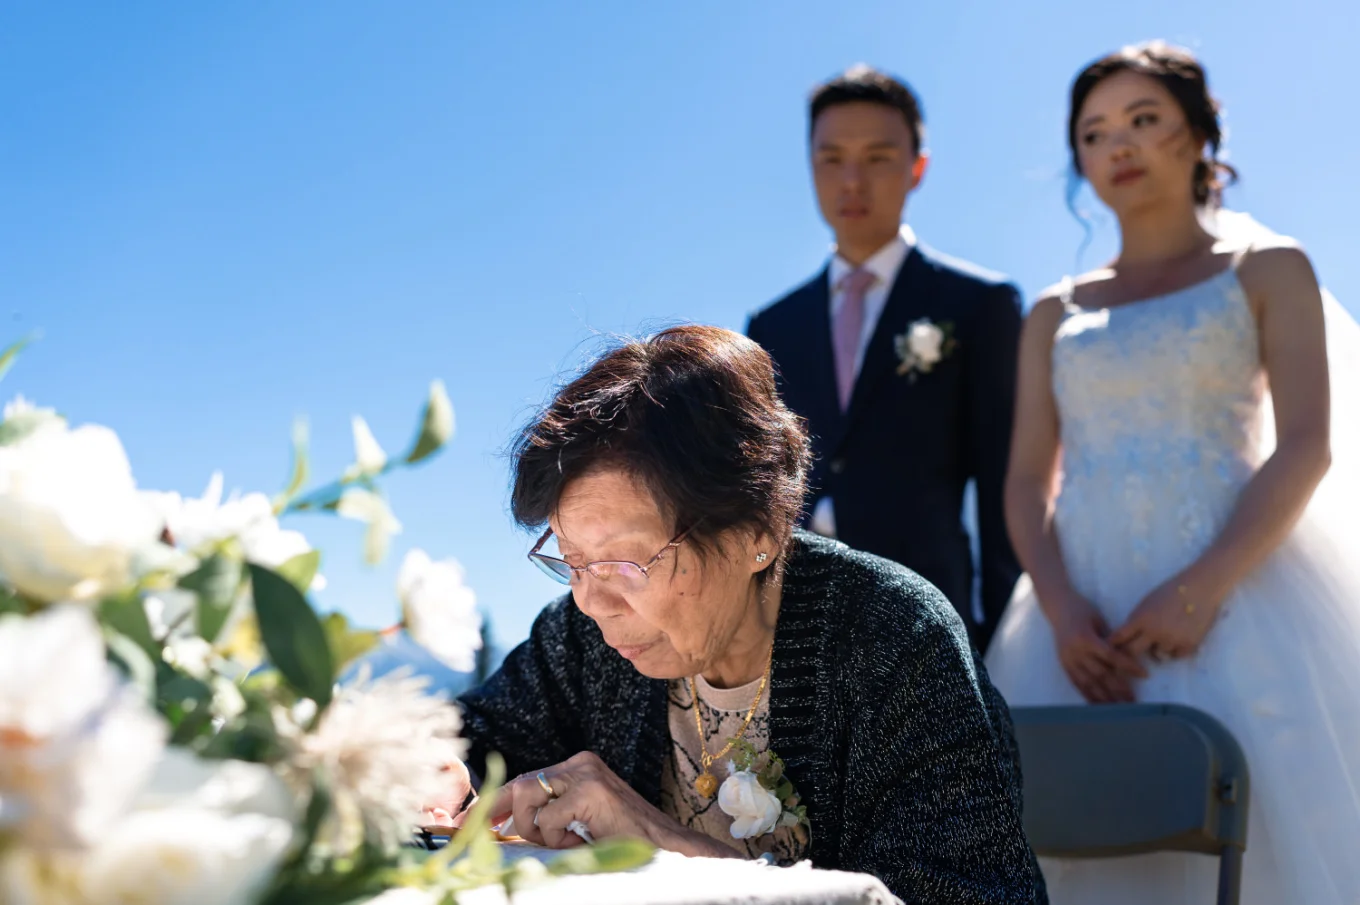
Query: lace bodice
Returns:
{"type": "Point", "coordinates": [1160, 406]}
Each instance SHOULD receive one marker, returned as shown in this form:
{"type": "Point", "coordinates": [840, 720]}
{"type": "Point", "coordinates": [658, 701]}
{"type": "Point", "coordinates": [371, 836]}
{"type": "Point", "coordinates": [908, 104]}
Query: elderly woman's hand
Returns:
{"type": "Point", "coordinates": [448, 811]}
{"type": "Point", "coordinates": [584, 789]}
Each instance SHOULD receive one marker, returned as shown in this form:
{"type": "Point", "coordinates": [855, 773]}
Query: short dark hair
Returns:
{"type": "Point", "coordinates": [865, 84]}
{"type": "Point", "coordinates": [694, 414]}
{"type": "Point", "coordinates": [1181, 74]}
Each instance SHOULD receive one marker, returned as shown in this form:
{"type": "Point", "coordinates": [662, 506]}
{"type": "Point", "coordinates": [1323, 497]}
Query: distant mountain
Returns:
{"type": "Point", "coordinates": [397, 651]}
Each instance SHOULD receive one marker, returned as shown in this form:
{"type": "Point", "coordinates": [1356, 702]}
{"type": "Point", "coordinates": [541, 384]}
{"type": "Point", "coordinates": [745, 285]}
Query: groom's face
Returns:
{"type": "Point", "coordinates": [864, 163]}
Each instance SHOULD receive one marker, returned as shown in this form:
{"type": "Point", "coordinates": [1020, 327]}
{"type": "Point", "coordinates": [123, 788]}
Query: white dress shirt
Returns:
{"type": "Point", "coordinates": [885, 265]}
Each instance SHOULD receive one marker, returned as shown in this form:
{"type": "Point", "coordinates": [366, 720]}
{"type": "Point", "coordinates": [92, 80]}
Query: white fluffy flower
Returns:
{"type": "Point", "coordinates": [71, 519]}
{"type": "Point", "coordinates": [926, 342]}
{"type": "Point", "coordinates": [202, 833]}
{"type": "Point", "coordinates": [366, 506]}
{"type": "Point", "coordinates": [75, 745]}
{"type": "Point", "coordinates": [439, 610]}
{"type": "Point", "coordinates": [753, 808]}
{"type": "Point", "coordinates": [382, 745]}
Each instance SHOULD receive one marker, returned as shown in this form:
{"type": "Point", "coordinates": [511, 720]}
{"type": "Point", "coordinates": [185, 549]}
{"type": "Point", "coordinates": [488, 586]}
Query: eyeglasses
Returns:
{"type": "Point", "coordinates": [627, 576]}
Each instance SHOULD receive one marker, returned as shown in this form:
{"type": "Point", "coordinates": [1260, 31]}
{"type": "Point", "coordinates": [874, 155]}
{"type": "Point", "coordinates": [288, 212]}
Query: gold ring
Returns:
{"type": "Point", "coordinates": [547, 787]}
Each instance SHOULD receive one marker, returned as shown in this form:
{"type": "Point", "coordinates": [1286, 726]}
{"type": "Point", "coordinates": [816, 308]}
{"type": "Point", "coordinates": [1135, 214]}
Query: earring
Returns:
{"type": "Point", "coordinates": [761, 557]}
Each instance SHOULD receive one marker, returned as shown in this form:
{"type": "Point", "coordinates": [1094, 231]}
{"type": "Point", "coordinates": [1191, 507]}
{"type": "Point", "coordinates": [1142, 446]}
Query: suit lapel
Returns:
{"type": "Point", "coordinates": [880, 358]}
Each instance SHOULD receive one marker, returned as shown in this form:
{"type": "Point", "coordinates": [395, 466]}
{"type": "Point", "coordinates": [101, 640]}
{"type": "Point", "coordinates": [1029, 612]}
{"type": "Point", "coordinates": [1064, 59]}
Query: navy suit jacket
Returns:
{"type": "Point", "coordinates": [896, 464]}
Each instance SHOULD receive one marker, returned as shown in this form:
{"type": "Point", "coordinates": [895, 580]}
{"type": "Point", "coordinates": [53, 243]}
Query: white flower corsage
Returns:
{"type": "Point", "coordinates": [923, 346]}
{"type": "Point", "coordinates": [759, 797]}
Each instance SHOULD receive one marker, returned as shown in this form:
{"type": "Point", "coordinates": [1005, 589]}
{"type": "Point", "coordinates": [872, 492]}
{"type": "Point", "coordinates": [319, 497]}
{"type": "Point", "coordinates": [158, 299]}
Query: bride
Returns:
{"type": "Point", "coordinates": [1170, 495]}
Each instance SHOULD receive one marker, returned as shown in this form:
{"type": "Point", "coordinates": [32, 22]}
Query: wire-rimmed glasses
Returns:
{"type": "Point", "coordinates": [627, 576]}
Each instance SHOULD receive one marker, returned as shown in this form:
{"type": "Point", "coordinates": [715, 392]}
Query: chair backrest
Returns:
{"type": "Point", "coordinates": [1124, 779]}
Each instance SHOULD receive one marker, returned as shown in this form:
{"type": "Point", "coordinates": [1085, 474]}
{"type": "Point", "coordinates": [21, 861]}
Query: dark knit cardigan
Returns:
{"type": "Point", "coordinates": [886, 721]}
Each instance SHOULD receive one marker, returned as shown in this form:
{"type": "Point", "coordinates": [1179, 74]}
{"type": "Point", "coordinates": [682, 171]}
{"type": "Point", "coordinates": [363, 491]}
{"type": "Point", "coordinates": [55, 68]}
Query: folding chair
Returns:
{"type": "Point", "coordinates": [1127, 779]}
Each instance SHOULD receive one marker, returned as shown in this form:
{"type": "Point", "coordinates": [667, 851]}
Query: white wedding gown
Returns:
{"type": "Point", "coordinates": [1164, 419]}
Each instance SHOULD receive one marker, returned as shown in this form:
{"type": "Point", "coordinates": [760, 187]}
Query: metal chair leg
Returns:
{"type": "Point", "coordinates": [1230, 876]}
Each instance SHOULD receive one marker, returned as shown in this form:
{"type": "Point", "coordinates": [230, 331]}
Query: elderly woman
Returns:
{"type": "Point", "coordinates": [703, 629]}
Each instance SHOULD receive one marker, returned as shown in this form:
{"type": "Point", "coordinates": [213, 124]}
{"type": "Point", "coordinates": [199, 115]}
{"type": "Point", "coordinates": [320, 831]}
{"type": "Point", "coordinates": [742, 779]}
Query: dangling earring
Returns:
{"type": "Point", "coordinates": [761, 557]}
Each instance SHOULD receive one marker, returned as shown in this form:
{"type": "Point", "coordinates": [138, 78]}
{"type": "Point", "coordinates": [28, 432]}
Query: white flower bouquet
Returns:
{"type": "Point", "coordinates": [171, 727]}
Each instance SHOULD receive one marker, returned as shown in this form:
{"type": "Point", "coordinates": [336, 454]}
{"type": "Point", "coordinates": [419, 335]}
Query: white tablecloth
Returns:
{"type": "Point", "coordinates": [672, 879]}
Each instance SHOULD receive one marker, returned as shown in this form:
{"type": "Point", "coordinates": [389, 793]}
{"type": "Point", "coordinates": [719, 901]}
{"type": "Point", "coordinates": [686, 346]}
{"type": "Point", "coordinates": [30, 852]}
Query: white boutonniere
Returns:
{"type": "Point", "coordinates": [923, 346]}
{"type": "Point", "coordinates": [759, 797]}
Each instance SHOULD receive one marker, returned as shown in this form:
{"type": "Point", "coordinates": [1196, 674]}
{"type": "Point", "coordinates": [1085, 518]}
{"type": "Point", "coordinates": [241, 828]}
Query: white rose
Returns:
{"type": "Point", "coordinates": [202, 833]}
{"type": "Point", "coordinates": [71, 519]}
{"type": "Point", "coordinates": [199, 524]}
{"type": "Point", "coordinates": [440, 611]}
{"type": "Point", "coordinates": [753, 808]}
{"type": "Point", "coordinates": [182, 780]}
{"type": "Point", "coordinates": [925, 340]}
{"type": "Point", "coordinates": [184, 856]}
{"type": "Point", "coordinates": [75, 745]}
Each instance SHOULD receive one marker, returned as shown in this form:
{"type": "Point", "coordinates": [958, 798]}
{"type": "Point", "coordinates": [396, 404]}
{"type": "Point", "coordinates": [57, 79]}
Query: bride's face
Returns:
{"type": "Point", "coordinates": [1135, 146]}
{"type": "Point", "coordinates": [682, 620]}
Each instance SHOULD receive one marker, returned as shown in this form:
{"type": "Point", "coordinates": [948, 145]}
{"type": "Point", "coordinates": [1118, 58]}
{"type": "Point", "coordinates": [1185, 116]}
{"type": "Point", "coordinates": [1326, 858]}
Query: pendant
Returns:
{"type": "Point", "coordinates": [706, 784]}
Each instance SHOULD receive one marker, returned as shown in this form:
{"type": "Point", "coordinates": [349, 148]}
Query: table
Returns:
{"type": "Point", "coordinates": [671, 879]}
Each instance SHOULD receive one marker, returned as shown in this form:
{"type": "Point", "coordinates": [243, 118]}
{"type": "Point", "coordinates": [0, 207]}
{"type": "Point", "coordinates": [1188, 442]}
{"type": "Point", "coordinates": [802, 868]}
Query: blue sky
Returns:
{"type": "Point", "coordinates": [222, 216]}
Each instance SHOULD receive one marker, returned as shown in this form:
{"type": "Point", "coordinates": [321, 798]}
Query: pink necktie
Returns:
{"type": "Point", "coordinates": [846, 329]}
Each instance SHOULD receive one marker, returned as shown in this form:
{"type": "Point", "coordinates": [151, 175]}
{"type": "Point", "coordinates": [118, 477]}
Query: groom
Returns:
{"type": "Point", "coordinates": [901, 359]}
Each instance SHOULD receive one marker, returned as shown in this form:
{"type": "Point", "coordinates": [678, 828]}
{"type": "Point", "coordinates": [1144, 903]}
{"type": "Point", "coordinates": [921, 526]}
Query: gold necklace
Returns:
{"type": "Point", "coordinates": [706, 784]}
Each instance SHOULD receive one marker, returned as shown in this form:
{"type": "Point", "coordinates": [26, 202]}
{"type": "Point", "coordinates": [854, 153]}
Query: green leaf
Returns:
{"type": "Point", "coordinates": [252, 736]}
{"type": "Point", "coordinates": [7, 357]}
{"type": "Point", "coordinates": [347, 644]}
{"type": "Point", "coordinates": [11, 603]}
{"type": "Point", "coordinates": [301, 569]}
{"type": "Point", "coordinates": [186, 703]}
{"type": "Point", "coordinates": [292, 635]}
{"type": "Point", "coordinates": [301, 467]}
{"type": "Point", "coordinates": [133, 662]}
{"type": "Point", "coordinates": [436, 424]}
{"type": "Point", "coordinates": [744, 754]}
{"type": "Point", "coordinates": [217, 584]}
{"type": "Point", "coordinates": [318, 806]}
{"type": "Point", "coordinates": [606, 856]}
{"type": "Point", "coordinates": [126, 614]}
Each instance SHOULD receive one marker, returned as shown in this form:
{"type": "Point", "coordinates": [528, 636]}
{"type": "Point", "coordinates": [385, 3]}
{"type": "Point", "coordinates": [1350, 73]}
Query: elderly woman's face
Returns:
{"type": "Point", "coordinates": [682, 620]}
